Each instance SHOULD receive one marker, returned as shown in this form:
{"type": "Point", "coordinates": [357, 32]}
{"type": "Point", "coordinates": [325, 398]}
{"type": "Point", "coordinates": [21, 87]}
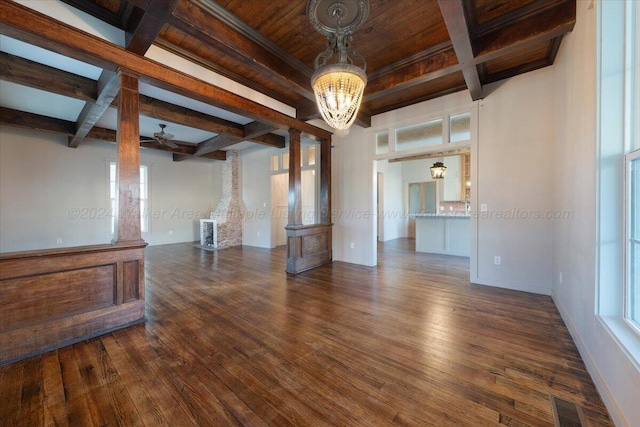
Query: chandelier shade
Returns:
{"type": "Point", "coordinates": [338, 89]}
{"type": "Point", "coordinates": [338, 84]}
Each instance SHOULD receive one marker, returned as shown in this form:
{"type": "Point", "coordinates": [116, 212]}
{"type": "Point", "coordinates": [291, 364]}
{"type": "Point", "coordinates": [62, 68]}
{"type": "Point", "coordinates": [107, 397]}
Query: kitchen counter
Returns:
{"type": "Point", "coordinates": [444, 216]}
{"type": "Point", "coordinates": [447, 234]}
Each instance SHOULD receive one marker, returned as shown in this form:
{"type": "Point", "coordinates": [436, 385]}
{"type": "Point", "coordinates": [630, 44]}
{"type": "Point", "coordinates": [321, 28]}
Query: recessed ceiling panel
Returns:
{"type": "Point", "coordinates": [37, 101]}
{"type": "Point", "coordinates": [46, 57]}
{"type": "Point", "coordinates": [192, 104]}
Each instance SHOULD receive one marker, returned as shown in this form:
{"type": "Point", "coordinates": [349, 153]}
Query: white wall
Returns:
{"type": "Point", "coordinates": [514, 180]}
{"type": "Point", "coordinates": [49, 191]}
{"type": "Point", "coordinates": [574, 153]}
{"type": "Point", "coordinates": [394, 205]}
{"type": "Point", "coordinates": [353, 186]}
{"type": "Point", "coordinates": [255, 182]}
{"type": "Point", "coordinates": [513, 176]}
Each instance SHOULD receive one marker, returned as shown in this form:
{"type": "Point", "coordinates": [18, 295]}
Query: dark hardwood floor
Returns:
{"type": "Point", "coordinates": [230, 339]}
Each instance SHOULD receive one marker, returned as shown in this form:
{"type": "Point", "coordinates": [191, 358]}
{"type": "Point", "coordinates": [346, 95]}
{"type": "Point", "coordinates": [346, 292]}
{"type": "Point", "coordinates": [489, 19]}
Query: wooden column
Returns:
{"type": "Point", "coordinates": [325, 182]}
{"type": "Point", "coordinates": [102, 287]}
{"type": "Point", "coordinates": [295, 179]}
{"type": "Point", "coordinates": [308, 246]}
{"type": "Point", "coordinates": [127, 215]}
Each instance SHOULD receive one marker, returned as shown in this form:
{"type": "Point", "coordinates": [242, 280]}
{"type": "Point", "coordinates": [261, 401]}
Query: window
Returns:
{"type": "Point", "coordinates": [382, 142]}
{"type": "Point", "coordinates": [310, 180]}
{"type": "Point", "coordinates": [421, 135]}
{"type": "Point", "coordinates": [442, 132]}
{"type": "Point", "coordinates": [618, 199]}
{"type": "Point", "coordinates": [632, 311]}
{"type": "Point", "coordinates": [460, 127]}
{"type": "Point", "coordinates": [632, 163]}
{"type": "Point", "coordinates": [144, 196]}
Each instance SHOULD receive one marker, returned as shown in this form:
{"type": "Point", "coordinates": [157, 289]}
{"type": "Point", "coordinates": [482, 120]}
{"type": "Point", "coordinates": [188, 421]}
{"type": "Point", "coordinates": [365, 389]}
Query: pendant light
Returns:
{"type": "Point", "coordinates": [338, 84]}
{"type": "Point", "coordinates": [438, 170]}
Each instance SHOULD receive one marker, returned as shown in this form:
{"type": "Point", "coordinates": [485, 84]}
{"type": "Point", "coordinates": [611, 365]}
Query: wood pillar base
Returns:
{"type": "Point", "coordinates": [308, 246]}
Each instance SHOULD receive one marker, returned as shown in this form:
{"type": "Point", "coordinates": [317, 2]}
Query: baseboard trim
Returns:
{"type": "Point", "coordinates": [512, 286]}
{"type": "Point", "coordinates": [605, 394]}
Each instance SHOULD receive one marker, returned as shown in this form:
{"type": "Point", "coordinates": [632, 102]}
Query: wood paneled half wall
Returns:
{"type": "Point", "coordinates": [52, 298]}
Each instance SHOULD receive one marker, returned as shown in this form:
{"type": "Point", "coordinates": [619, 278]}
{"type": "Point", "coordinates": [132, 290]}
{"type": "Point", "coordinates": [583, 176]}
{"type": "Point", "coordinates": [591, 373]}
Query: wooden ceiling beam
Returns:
{"type": "Point", "coordinates": [108, 89]}
{"type": "Point", "coordinates": [427, 66]}
{"type": "Point", "coordinates": [22, 119]}
{"type": "Point", "coordinates": [422, 98]}
{"type": "Point", "coordinates": [530, 9]}
{"type": "Point", "coordinates": [95, 10]}
{"type": "Point", "coordinates": [137, 41]}
{"type": "Point", "coordinates": [43, 77]}
{"type": "Point", "coordinates": [32, 121]}
{"type": "Point", "coordinates": [35, 28]}
{"type": "Point", "coordinates": [32, 74]}
{"type": "Point", "coordinates": [162, 110]}
{"type": "Point", "coordinates": [155, 16]}
{"type": "Point", "coordinates": [250, 131]}
{"type": "Point", "coordinates": [200, 20]}
{"type": "Point", "coordinates": [550, 23]}
{"type": "Point", "coordinates": [456, 22]}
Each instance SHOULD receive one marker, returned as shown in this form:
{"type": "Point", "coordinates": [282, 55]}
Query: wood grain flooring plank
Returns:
{"type": "Point", "coordinates": [11, 383]}
{"type": "Point", "coordinates": [232, 340]}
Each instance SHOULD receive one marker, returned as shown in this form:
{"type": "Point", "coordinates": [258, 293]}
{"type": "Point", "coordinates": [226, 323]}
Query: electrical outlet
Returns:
{"type": "Point", "coordinates": [353, 245]}
{"type": "Point", "coordinates": [258, 234]}
{"type": "Point", "coordinates": [560, 277]}
{"type": "Point", "coordinates": [170, 232]}
{"type": "Point", "coordinates": [484, 207]}
{"type": "Point", "coordinates": [497, 260]}
{"type": "Point", "coordinates": [59, 240]}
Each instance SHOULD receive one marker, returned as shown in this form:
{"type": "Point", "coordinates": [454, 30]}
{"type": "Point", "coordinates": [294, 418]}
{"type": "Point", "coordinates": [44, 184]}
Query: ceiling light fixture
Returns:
{"type": "Point", "coordinates": [337, 82]}
{"type": "Point", "coordinates": [438, 170]}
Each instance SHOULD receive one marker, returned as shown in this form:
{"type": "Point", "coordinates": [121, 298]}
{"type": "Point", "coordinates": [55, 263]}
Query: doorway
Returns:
{"type": "Point", "coordinates": [422, 200]}
{"type": "Point", "coordinates": [380, 207]}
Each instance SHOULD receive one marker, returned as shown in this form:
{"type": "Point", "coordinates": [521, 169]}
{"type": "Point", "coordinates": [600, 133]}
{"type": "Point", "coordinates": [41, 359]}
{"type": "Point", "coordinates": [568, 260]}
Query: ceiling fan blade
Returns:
{"type": "Point", "coordinates": [170, 144]}
{"type": "Point", "coordinates": [147, 140]}
{"type": "Point", "coordinates": [168, 136]}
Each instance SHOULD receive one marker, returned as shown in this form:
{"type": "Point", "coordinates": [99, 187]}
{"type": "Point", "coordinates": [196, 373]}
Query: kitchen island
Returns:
{"type": "Point", "coordinates": [443, 234]}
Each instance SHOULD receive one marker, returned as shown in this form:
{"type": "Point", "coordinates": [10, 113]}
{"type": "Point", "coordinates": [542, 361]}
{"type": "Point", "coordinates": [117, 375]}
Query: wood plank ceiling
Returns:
{"type": "Point", "coordinates": [415, 50]}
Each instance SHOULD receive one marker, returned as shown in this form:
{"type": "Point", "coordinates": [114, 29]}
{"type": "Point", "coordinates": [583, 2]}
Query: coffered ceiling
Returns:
{"type": "Point", "coordinates": [415, 49]}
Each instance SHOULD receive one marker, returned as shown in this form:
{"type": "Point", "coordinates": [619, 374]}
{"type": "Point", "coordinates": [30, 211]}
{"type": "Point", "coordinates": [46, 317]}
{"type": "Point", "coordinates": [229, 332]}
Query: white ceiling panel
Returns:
{"type": "Point", "coordinates": [173, 98]}
{"type": "Point", "coordinates": [36, 101]}
{"type": "Point", "coordinates": [46, 57]}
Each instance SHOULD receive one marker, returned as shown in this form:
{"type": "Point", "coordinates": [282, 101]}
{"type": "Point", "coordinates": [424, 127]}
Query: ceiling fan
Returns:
{"type": "Point", "coordinates": [162, 138]}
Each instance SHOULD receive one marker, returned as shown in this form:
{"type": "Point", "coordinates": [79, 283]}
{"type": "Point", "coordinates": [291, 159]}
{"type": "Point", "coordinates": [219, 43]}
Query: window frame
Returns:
{"type": "Point", "coordinates": [392, 151]}
{"type": "Point", "coordinates": [635, 324]}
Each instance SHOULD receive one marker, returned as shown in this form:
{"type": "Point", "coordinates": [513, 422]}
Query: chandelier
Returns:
{"type": "Point", "coordinates": [338, 83]}
{"type": "Point", "coordinates": [438, 170]}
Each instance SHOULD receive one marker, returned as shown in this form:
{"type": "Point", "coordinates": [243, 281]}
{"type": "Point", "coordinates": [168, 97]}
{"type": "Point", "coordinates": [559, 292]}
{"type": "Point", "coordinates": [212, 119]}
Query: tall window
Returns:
{"type": "Point", "coordinates": [633, 247]}
{"type": "Point", "coordinates": [144, 196]}
{"type": "Point", "coordinates": [632, 136]}
{"type": "Point", "coordinates": [619, 169]}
